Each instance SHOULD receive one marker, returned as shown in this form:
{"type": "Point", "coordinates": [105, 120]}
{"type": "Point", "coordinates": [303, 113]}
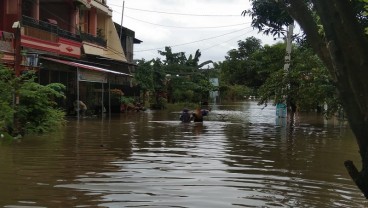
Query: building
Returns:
{"type": "Point", "coordinates": [127, 42]}
{"type": "Point", "coordinates": [73, 42]}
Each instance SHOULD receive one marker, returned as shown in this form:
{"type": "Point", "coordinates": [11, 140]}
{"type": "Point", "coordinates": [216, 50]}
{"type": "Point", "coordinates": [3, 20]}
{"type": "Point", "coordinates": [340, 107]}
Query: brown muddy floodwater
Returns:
{"type": "Point", "coordinates": [239, 157]}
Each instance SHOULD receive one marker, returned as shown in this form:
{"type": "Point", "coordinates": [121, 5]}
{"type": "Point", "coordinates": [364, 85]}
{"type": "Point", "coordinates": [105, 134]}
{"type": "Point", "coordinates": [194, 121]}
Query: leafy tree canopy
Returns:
{"type": "Point", "coordinates": [175, 78]}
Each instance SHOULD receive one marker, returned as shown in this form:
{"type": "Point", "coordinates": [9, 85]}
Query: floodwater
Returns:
{"type": "Point", "coordinates": [241, 156]}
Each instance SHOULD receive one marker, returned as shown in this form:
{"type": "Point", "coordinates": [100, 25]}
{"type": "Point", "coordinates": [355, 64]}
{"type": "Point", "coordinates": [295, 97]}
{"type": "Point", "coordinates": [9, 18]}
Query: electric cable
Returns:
{"type": "Point", "coordinates": [227, 40]}
{"type": "Point", "coordinates": [154, 49]}
{"type": "Point", "coordinates": [201, 27]}
{"type": "Point", "coordinates": [196, 40]}
{"type": "Point", "coordinates": [175, 13]}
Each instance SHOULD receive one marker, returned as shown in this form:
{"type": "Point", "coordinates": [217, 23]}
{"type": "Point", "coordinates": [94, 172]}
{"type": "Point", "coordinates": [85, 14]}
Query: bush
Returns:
{"type": "Point", "coordinates": [235, 92]}
{"type": "Point", "coordinates": [7, 82]}
{"type": "Point", "coordinates": [37, 110]}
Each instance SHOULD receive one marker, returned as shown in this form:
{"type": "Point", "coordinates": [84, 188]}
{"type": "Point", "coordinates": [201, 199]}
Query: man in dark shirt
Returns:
{"type": "Point", "coordinates": [185, 116]}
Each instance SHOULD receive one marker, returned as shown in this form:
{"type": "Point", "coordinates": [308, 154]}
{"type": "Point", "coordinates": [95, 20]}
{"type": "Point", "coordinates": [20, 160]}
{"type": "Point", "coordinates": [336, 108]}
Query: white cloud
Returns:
{"type": "Point", "coordinates": [159, 29]}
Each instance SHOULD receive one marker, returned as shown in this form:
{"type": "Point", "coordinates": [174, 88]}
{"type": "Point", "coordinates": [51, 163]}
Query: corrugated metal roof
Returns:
{"type": "Point", "coordinates": [85, 66]}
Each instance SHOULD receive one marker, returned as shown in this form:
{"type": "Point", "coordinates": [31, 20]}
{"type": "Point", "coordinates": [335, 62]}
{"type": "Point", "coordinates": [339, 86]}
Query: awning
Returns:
{"type": "Point", "coordinates": [85, 66]}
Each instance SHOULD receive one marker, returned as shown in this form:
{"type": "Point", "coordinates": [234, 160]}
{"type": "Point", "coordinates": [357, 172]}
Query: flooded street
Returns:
{"type": "Point", "coordinates": [239, 157]}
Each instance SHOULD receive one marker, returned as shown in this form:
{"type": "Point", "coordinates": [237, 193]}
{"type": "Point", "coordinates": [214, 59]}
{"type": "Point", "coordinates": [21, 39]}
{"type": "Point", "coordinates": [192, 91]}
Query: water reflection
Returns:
{"type": "Point", "coordinates": [240, 156]}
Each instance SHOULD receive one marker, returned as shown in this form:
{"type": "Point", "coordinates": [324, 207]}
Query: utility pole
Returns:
{"type": "Point", "coordinates": [17, 26]}
{"type": "Point", "coordinates": [17, 67]}
{"type": "Point", "coordinates": [289, 37]}
{"type": "Point", "coordinates": [122, 17]}
{"type": "Point", "coordinates": [281, 108]}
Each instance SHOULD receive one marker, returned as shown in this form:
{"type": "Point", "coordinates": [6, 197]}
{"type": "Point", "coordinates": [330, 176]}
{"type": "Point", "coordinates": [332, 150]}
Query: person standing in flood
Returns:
{"type": "Point", "coordinates": [197, 115]}
{"type": "Point", "coordinates": [79, 105]}
{"type": "Point", "coordinates": [185, 116]}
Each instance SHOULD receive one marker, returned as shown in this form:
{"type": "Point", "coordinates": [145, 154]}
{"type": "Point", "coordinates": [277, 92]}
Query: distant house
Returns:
{"type": "Point", "coordinates": [127, 42]}
{"type": "Point", "coordinates": [74, 42]}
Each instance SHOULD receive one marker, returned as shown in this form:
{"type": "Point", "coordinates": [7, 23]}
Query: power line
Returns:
{"type": "Point", "coordinates": [227, 40]}
{"type": "Point", "coordinates": [213, 37]}
{"type": "Point", "coordinates": [202, 27]}
{"type": "Point", "coordinates": [182, 27]}
{"type": "Point", "coordinates": [154, 49]}
{"type": "Point", "coordinates": [182, 14]}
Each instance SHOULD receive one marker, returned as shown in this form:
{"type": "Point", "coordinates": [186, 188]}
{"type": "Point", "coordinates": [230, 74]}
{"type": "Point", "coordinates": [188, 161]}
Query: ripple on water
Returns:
{"type": "Point", "coordinates": [239, 157]}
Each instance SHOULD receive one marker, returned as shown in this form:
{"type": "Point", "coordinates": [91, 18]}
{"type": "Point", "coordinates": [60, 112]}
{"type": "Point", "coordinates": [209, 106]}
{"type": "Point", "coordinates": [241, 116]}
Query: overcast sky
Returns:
{"type": "Point", "coordinates": [213, 26]}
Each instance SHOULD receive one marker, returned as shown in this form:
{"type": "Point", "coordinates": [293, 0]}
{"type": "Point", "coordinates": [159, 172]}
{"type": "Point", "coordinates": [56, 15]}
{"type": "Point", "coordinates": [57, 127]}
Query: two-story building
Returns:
{"type": "Point", "coordinates": [74, 42]}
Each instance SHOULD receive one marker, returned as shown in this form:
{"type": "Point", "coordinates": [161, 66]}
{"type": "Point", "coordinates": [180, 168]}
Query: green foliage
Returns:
{"type": "Point", "coordinates": [269, 17]}
{"type": "Point", "coordinates": [248, 47]}
{"type": "Point", "coordinates": [365, 12]}
{"type": "Point", "coordinates": [51, 120]}
{"type": "Point", "coordinates": [144, 75]}
{"type": "Point", "coordinates": [172, 58]}
{"type": "Point", "coordinates": [235, 92]}
{"type": "Point", "coordinates": [237, 68]}
{"type": "Point", "coordinates": [6, 138]}
{"type": "Point", "coordinates": [175, 79]}
{"type": "Point", "coordinates": [274, 88]}
{"type": "Point", "coordinates": [251, 64]}
{"type": "Point", "coordinates": [307, 84]}
{"type": "Point", "coordinates": [180, 95]}
{"type": "Point", "coordinates": [252, 68]}
{"type": "Point", "coordinates": [6, 97]}
{"type": "Point", "coordinates": [36, 111]}
{"type": "Point", "coordinates": [126, 100]}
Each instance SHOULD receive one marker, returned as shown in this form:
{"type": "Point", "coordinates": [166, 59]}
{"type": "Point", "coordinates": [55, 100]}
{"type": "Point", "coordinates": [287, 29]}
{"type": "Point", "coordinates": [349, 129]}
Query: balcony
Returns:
{"type": "Point", "coordinates": [46, 31]}
{"type": "Point", "coordinates": [48, 37]}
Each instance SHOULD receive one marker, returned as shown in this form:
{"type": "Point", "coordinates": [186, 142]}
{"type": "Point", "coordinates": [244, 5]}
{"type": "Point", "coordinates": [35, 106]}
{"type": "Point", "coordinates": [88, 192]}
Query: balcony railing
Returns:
{"type": "Point", "coordinates": [50, 32]}
{"type": "Point", "coordinates": [46, 31]}
{"type": "Point", "coordinates": [93, 39]}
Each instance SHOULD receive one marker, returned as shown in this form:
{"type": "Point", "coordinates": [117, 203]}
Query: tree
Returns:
{"type": "Point", "coordinates": [236, 69]}
{"type": "Point", "coordinates": [37, 110]}
{"type": "Point", "coordinates": [307, 84]}
{"type": "Point", "coordinates": [336, 31]}
{"type": "Point", "coordinates": [189, 82]}
{"type": "Point", "coordinates": [144, 77]}
{"type": "Point", "coordinates": [7, 82]}
{"type": "Point", "coordinates": [251, 64]}
{"type": "Point", "coordinates": [173, 58]}
{"type": "Point", "coordinates": [174, 79]}
{"type": "Point", "coordinates": [264, 62]}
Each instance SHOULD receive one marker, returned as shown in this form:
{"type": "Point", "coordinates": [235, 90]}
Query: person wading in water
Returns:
{"type": "Point", "coordinates": [185, 116]}
{"type": "Point", "coordinates": [197, 115]}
